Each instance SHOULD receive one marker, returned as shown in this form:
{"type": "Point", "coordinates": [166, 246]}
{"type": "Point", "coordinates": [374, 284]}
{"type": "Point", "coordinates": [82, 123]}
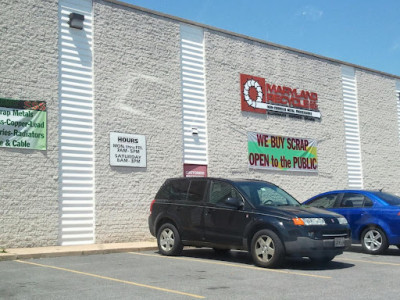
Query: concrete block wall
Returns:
{"type": "Point", "coordinates": [378, 118]}
{"type": "Point", "coordinates": [137, 91]}
{"type": "Point", "coordinates": [227, 57]}
{"type": "Point", "coordinates": [28, 71]}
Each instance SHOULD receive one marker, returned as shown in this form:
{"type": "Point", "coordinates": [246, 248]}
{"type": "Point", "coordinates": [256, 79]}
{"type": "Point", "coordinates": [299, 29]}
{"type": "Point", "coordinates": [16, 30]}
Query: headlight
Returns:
{"type": "Point", "coordinates": [342, 221]}
{"type": "Point", "coordinates": [308, 221]}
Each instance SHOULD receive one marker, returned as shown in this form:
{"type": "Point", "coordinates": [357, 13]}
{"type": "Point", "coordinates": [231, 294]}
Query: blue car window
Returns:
{"type": "Point", "coordinates": [327, 201]}
{"type": "Point", "coordinates": [368, 202]}
{"type": "Point", "coordinates": [352, 200]}
{"type": "Point", "coordinates": [388, 198]}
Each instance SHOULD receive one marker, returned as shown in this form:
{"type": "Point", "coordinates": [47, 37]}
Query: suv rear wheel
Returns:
{"type": "Point", "coordinates": [267, 249]}
{"type": "Point", "coordinates": [168, 240]}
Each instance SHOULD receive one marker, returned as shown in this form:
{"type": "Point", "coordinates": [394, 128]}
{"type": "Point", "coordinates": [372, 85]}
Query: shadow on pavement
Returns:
{"type": "Point", "coordinates": [243, 257]}
{"type": "Point", "coordinates": [306, 265]}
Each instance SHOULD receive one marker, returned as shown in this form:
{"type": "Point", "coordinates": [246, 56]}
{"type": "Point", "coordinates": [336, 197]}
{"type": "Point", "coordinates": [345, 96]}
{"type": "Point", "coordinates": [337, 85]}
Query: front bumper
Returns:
{"type": "Point", "coordinates": [308, 247]}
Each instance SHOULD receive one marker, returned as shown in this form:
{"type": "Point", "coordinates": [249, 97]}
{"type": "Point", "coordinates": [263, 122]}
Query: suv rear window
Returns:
{"type": "Point", "coordinates": [174, 190]}
{"type": "Point", "coordinates": [197, 190]}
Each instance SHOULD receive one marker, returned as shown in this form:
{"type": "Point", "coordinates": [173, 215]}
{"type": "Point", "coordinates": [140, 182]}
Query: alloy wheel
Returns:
{"type": "Point", "coordinates": [265, 248]}
{"type": "Point", "coordinates": [167, 239]}
{"type": "Point", "coordinates": [373, 240]}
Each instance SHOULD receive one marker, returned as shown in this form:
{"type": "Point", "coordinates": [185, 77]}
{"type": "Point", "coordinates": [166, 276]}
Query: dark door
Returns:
{"type": "Point", "coordinates": [224, 225]}
{"type": "Point", "coordinates": [187, 207]}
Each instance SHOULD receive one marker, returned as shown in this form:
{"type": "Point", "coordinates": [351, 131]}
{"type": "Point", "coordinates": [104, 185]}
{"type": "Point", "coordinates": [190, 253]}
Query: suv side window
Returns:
{"type": "Point", "coordinates": [220, 191]}
{"type": "Point", "coordinates": [174, 190]}
{"type": "Point", "coordinates": [327, 201]}
{"type": "Point", "coordinates": [197, 190]}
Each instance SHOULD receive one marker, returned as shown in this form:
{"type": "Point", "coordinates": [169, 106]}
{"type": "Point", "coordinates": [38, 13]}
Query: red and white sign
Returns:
{"type": "Point", "coordinates": [258, 96]}
{"type": "Point", "coordinates": [194, 170]}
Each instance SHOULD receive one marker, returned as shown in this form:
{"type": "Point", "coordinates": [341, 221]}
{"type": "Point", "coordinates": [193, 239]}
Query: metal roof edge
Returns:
{"type": "Point", "coordinates": [333, 60]}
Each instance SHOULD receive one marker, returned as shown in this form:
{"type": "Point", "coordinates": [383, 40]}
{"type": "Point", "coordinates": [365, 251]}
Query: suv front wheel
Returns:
{"type": "Point", "coordinates": [267, 249]}
{"type": "Point", "coordinates": [168, 240]}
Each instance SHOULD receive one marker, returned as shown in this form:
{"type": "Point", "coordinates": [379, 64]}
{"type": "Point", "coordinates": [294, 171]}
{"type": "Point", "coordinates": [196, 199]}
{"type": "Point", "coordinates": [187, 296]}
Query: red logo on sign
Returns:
{"type": "Point", "coordinates": [258, 96]}
{"type": "Point", "coordinates": [252, 93]}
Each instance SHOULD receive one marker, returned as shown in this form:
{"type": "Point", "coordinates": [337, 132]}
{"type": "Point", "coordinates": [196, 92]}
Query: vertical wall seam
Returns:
{"type": "Point", "coordinates": [76, 126]}
{"type": "Point", "coordinates": [193, 89]}
{"type": "Point", "coordinates": [352, 128]}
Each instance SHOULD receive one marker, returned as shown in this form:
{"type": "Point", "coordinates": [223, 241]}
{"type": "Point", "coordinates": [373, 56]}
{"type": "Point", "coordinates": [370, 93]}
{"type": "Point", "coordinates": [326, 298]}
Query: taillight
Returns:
{"type": "Point", "coordinates": [151, 205]}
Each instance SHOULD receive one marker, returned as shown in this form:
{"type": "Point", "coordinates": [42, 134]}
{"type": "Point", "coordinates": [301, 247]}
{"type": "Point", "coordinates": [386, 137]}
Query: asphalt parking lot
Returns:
{"type": "Point", "coordinates": [200, 274]}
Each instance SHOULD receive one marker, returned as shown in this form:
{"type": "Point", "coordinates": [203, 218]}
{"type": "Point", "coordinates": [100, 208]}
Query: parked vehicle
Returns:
{"type": "Point", "coordinates": [251, 215]}
{"type": "Point", "coordinates": [373, 216]}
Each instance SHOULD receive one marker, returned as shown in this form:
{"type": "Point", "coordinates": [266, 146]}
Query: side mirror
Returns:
{"type": "Point", "coordinates": [234, 202]}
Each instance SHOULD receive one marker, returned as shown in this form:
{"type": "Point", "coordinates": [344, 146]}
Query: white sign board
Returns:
{"type": "Point", "coordinates": [127, 150]}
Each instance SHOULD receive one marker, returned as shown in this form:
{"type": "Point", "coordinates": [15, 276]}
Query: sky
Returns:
{"type": "Point", "coordinates": [361, 32]}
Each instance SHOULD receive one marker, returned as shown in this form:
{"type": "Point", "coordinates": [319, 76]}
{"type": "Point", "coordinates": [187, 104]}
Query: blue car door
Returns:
{"type": "Point", "coordinates": [355, 207]}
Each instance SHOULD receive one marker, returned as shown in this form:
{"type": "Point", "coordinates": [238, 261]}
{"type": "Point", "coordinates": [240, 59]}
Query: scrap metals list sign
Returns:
{"type": "Point", "coordinates": [127, 150]}
{"type": "Point", "coordinates": [23, 124]}
{"type": "Point", "coordinates": [281, 153]}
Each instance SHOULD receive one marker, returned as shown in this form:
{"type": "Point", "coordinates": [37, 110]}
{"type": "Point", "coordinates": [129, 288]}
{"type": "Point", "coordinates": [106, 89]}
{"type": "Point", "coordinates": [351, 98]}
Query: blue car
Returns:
{"type": "Point", "coordinates": [373, 216]}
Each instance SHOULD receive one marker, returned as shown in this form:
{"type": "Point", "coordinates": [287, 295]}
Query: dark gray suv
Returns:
{"type": "Point", "coordinates": [252, 215]}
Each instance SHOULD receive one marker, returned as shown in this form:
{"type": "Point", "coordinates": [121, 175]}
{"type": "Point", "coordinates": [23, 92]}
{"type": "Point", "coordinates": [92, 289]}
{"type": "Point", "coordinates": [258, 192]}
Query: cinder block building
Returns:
{"type": "Point", "coordinates": [101, 101]}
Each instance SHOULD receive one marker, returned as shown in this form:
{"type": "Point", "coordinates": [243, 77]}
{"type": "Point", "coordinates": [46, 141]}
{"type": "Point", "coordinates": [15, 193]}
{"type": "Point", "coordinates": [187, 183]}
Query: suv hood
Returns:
{"type": "Point", "coordinates": [296, 211]}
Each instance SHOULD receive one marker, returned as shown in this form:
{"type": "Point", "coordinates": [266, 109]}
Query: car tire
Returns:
{"type": "Point", "coordinates": [267, 249]}
{"type": "Point", "coordinates": [373, 240]}
{"type": "Point", "coordinates": [168, 240]}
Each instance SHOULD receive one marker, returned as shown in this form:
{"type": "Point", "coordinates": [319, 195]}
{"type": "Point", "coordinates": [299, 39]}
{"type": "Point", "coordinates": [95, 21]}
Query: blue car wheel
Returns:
{"type": "Point", "coordinates": [373, 240]}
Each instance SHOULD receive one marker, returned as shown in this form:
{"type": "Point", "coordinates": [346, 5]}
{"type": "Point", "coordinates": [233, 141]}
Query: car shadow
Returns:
{"type": "Point", "coordinates": [391, 251]}
{"type": "Point", "coordinates": [243, 257]}
{"type": "Point", "coordinates": [233, 256]}
{"type": "Point", "coordinates": [305, 264]}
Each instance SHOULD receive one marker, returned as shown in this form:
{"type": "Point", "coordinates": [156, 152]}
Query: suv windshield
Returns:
{"type": "Point", "coordinates": [388, 198]}
{"type": "Point", "coordinates": [265, 194]}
